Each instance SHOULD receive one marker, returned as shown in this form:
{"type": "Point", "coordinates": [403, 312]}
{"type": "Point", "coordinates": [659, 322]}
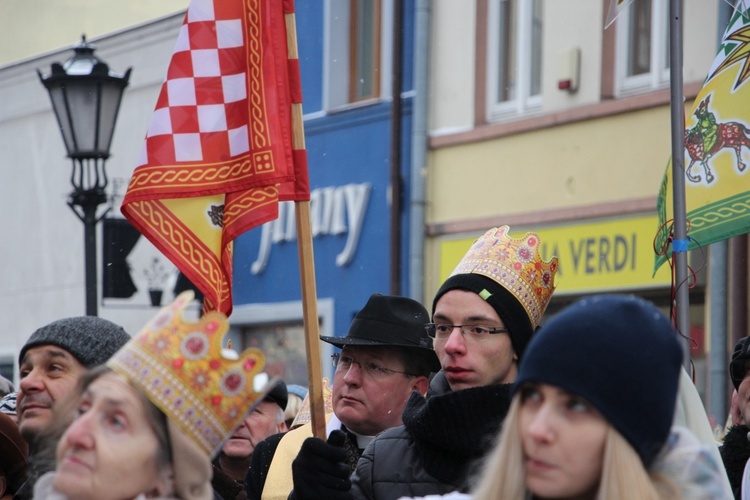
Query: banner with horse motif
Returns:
{"type": "Point", "coordinates": [717, 139]}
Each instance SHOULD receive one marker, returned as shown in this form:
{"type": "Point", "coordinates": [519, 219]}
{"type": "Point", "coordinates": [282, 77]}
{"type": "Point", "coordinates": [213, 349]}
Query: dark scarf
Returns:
{"type": "Point", "coordinates": [225, 486]}
{"type": "Point", "coordinates": [735, 452]}
{"type": "Point", "coordinates": [454, 429]}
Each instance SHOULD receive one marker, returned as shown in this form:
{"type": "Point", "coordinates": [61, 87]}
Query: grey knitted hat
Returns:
{"type": "Point", "coordinates": [90, 339]}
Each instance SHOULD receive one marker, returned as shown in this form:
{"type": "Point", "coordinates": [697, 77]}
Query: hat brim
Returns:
{"type": "Point", "coordinates": [429, 353]}
{"type": "Point", "coordinates": [342, 341]}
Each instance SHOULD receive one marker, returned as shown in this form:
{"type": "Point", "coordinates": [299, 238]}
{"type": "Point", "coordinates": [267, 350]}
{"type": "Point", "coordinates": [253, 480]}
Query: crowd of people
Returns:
{"type": "Point", "coordinates": [474, 399]}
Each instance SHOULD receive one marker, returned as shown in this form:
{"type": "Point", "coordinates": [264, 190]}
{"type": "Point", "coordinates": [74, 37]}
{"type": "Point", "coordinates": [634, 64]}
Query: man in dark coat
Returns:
{"type": "Point", "coordinates": [385, 357]}
{"type": "Point", "coordinates": [484, 315]}
{"type": "Point", "coordinates": [735, 452]}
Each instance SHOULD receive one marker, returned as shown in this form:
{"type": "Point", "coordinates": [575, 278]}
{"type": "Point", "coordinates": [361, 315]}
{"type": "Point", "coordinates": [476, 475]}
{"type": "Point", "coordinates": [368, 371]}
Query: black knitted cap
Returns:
{"type": "Point", "coordinates": [90, 339]}
{"type": "Point", "coordinates": [619, 353]}
{"type": "Point", "coordinates": [507, 306]}
{"type": "Point", "coordinates": [740, 356]}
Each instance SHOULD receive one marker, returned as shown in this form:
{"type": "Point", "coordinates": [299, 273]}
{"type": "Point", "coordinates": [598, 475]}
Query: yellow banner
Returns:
{"type": "Point", "coordinates": [717, 139]}
{"type": "Point", "coordinates": [593, 257]}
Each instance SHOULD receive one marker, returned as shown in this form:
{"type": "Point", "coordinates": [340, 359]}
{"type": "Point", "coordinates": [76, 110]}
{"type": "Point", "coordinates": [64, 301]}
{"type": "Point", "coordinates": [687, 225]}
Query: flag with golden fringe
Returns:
{"type": "Point", "coordinates": [717, 136]}
{"type": "Point", "coordinates": [218, 155]}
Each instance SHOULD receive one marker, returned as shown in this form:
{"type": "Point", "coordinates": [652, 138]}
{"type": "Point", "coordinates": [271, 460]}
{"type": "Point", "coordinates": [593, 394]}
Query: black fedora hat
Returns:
{"type": "Point", "coordinates": [388, 320]}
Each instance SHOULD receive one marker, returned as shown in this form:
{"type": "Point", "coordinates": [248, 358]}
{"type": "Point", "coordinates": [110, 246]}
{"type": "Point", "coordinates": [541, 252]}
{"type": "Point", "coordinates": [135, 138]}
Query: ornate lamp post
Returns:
{"type": "Point", "coordinates": [86, 97]}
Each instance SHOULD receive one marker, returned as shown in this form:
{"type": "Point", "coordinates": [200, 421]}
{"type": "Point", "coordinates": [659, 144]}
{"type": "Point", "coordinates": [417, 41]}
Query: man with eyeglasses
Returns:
{"type": "Point", "coordinates": [483, 316]}
{"type": "Point", "coordinates": [385, 357]}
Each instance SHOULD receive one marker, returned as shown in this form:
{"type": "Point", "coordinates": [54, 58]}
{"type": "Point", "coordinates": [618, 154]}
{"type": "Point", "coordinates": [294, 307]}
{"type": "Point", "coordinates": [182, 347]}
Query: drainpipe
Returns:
{"type": "Point", "coordinates": [395, 163]}
{"type": "Point", "coordinates": [419, 147]}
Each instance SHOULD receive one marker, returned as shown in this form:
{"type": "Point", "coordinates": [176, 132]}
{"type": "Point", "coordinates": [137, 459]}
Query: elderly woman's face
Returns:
{"type": "Point", "coordinates": [110, 449]}
{"type": "Point", "coordinates": [563, 440]}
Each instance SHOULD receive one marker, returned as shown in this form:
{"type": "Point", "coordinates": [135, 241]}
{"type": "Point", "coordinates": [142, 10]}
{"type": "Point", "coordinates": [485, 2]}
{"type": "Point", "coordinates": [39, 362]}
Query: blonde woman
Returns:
{"type": "Point", "coordinates": [592, 412]}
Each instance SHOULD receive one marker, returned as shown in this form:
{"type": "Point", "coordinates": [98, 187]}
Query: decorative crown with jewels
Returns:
{"type": "Point", "coordinates": [182, 368]}
{"type": "Point", "coordinates": [516, 265]}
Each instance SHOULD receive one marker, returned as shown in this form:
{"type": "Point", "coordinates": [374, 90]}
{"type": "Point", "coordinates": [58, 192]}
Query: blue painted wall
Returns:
{"type": "Point", "coordinates": [344, 147]}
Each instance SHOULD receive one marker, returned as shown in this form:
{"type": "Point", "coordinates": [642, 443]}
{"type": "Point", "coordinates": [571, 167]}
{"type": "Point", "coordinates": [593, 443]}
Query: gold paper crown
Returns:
{"type": "Point", "coordinates": [182, 368]}
{"type": "Point", "coordinates": [516, 265]}
{"type": "Point", "coordinates": [303, 415]}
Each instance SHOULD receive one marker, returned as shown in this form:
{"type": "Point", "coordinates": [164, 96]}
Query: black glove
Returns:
{"type": "Point", "coordinates": [320, 469]}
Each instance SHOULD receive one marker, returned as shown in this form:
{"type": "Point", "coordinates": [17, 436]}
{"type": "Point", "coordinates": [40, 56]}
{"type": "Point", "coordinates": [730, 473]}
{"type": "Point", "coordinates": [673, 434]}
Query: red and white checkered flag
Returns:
{"type": "Point", "coordinates": [219, 154]}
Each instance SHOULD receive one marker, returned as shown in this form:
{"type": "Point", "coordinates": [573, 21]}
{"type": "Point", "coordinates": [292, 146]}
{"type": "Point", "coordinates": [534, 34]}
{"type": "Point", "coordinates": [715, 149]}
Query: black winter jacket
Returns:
{"type": "Point", "coordinates": [735, 453]}
{"type": "Point", "coordinates": [439, 447]}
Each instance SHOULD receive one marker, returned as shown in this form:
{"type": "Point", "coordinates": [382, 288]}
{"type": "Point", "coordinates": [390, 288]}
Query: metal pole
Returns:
{"type": "Point", "coordinates": [419, 151]}
{"type": "Point", "coordinates": [85, 203]}
{"type": "Point", "coordinates": [89, 223]}
{"type": "Point", "coordinates": [717, 291]}
{"type": "Point", "coordinates": [679, 245]}
{"type": "Point", "coordinates": [718, 266]}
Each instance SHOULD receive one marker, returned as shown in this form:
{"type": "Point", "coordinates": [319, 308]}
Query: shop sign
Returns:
{"type": "Point", "coordinates": [593, 256]}
{"type": "Point", "coordinates": [333, 211]}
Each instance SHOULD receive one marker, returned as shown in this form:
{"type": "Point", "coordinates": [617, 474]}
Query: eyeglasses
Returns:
{"type": "Point", "coordinates": [441, 331]}
{"type": "Point", "coordinates": [371, 368]}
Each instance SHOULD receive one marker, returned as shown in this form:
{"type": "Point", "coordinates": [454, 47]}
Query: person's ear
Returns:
{"type": "Point", "coordinates": [3, 483]}
{"type": "Point", "coordinates": [165, 486]}
{"type": "Point", "coordinates": [282, 427]}
{"type": "Point", "coordinates": [421, 384]}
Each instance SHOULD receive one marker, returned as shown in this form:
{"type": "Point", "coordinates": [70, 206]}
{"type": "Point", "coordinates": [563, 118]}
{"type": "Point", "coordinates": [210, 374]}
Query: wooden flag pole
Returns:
{"type": "Point", "coordinates": [307, 265]}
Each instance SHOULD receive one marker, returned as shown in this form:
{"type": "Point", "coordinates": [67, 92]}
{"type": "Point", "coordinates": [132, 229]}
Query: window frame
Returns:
{"type": "Point", "coordinates": [654, 79]}
{"type": "Point", "coordinates": [339, 62]}
{"type": "Point", "coordinates": [524, 103]}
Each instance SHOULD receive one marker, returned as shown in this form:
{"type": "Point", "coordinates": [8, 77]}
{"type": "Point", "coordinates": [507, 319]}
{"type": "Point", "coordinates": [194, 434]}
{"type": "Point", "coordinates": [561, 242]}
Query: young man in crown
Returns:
{"type": "Point", "coordinates": [483, 317]}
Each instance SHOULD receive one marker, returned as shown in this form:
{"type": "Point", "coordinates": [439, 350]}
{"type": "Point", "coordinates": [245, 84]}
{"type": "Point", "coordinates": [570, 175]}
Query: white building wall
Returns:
{"type": "Point", "coordinates": [42, 255]}
{"type": "Point", "coordinates": [567, 24]}
{"type": "Point", "coordinates": [452, 65]}
{"type": "Point", "coordinates": [29, 28]}
{"type": "Point", "coordinates": [565, 28]}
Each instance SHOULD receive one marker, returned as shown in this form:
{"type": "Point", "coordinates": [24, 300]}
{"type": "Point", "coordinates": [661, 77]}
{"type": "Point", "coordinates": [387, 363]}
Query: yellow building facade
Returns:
{"type": "Point", "coordinates": [543, 119]}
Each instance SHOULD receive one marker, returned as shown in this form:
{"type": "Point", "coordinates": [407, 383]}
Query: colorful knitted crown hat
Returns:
{"type": "Point", "coordinates": [182, 368]}
{"type": "Point", "coordinates": [511, 276]}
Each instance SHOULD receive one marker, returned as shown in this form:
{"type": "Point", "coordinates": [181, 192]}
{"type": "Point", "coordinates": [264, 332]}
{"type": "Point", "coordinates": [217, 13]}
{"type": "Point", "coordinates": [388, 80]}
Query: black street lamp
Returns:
{"type": "Point", "coordinates": [86, 97]}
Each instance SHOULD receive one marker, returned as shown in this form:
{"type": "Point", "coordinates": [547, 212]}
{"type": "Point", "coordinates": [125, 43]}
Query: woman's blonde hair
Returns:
{"type": "Point", "coordinates": [623, 475]}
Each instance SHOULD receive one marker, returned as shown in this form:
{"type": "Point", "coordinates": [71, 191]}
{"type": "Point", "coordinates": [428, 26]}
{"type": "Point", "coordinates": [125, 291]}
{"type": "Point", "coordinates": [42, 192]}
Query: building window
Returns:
{"type": "Point", "coordinates": [643, 47]}
{"type": "Point", "coordinates": [277, 329]}
{"type": "Point", "coordinates": [354, 48]}
{"type": "Point", "coordinates": [283, 345]}
{"type": "Point", "coordinates": [514, 76]}
{"type": "Point", "coordinates": [6, 368]}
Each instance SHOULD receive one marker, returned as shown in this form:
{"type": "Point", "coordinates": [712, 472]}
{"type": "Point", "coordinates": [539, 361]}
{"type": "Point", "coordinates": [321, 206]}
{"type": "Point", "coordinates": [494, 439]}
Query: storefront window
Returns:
{"type": "Point", "coordinates": [283, 345]}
